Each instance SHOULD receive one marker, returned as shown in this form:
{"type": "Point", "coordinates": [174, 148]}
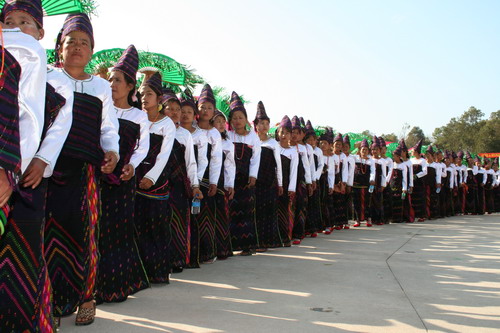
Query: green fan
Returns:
{"type": "Point", "coordinates": [173, 73]}
{"type": "Point", "coordinates": [51, 56]}
{"type": "Point", "coordinates": [222, 100]}
{"type": "Point", "coordinates": [391, 148]}
{"type": "Point", "coordinates": [60, 7]}
{"type": "Point", "coordinates": [103, 59]}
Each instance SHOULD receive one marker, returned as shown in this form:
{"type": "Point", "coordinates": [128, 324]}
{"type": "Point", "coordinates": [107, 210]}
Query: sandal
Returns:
{"type": "Point", "coordinates": [57, 324]}
{"type": "Point", "coordinates": [85, 316]}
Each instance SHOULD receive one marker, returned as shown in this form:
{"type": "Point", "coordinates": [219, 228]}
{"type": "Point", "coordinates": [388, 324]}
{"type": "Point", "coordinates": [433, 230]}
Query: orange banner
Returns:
{"type": "Point", "coordinates": [489, 155]}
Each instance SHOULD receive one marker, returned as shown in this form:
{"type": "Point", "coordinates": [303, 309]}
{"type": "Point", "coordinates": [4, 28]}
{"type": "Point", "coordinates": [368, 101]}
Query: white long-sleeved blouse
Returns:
{"type": "Point", "coordinates": [31, 96]}
{"type": "Point", "coordinates": [183, 136]}
{"type": "Point", "coordinates": [98, 87]}
{"type": "Point", "coordinates": [139, 117]}
{"type": "Point", "coordinates": [252, 141]}
{"type": "Point", "coordinates": [276, 148]}
{"type": "Point", "coordinates": [56, 135]}
{"type": "Point", "coordinates": [229, 164]}
{"type": "Point", "coordinates": [292, 155]}
{"type": "Point", "coordinates": [166, 128]}
{"type": "Point", "coordinates": [200, 140]}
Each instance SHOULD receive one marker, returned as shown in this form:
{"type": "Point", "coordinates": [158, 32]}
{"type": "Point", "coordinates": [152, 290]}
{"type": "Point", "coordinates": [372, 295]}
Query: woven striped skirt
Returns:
{"type": "Point", "coordinates": [387, 197]}
{"type": "Point", "coordinates": [361, 200]}
{"type": "Point", "coordinates": [206, 226]}
{"type": "Point", "coordinates": [222, 235]}
{"type": "Point", "coordinates": [418, 199]}
{"type": "Point", "coordinates": [314, 219]}
{"type": "Point", "coordinates": [70, 234]}
{"type": "Point", "coordinates": [301, 200]}
{"type": "Point", "coordinates": [121, 272]}
{"type": "Point", "coordinates": [25, 290]}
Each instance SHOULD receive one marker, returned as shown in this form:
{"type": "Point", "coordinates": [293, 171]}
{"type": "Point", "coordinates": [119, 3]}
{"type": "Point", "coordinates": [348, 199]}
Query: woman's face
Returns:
{"type": "Point", "coordinates": [337, 147]}
{"type": "Point", "coordinates": [346, 148]}
{"type": "Point", "coordinates": [311, 140]}
{"type": "Point", "coordinates": [119, 87]}
{"type": "Point", "coordinates": [383, 151]}
{"type": "Point", "coordinates": [25, 22]}
{"type": "Point", "coordinates": [149, 99]}
{"type": "Point", "coordinates": [220, 123]}
{"type": "Point", "coordinates": [206, 111]}
{"type": "Point", "coordinates": [238, 121]}
{"type": "Point", "coordinates": [295, 136]}
{"type": "Point", "coordinates": [376, 152]}
{"type": "Point", "coordinates": [173, 110]}
{"type": "Point", "coordinates": [324, 146]}
{"type": "Point", "coordinates": [429, 157]}
{"type": "Point", "coordinates": [263, 126]}
{"type": "Point", "coordinates": [187, 115]}
{"type": "Point", "coordinates": [284, 135]}
{"type": "Point", "coordinates": [76, 49]}
{"type": "Point", "coordinates": [396, 158]}
{"type": "Point", "coordinates": [363, 152]}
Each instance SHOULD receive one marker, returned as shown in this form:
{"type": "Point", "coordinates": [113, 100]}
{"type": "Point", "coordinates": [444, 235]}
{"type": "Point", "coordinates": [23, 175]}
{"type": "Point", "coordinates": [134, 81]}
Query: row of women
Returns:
{"type": "Point", "coordinates": [96, 191]}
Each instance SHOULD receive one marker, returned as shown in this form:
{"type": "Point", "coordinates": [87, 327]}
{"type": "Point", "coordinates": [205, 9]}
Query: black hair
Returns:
{"type": "Point", "coordinates": [309, 134]}
{"type": "Point", "coordinates": [131, 93]}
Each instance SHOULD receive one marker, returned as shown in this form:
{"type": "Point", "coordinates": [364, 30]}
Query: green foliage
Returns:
{"type": "Point", "coordinates": [415, 134]}
{"type": "Point", "coordinates": [367, 134]}
{"type": "Point", "coordinates": [391, 137]}
{"type": "Point", "coordinates": [470, 132]}
{"type": "Point", "coordinates": [488, 136]}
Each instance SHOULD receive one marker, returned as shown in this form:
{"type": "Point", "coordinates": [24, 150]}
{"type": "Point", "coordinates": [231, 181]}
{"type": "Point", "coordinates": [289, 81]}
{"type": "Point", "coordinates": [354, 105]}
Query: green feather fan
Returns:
{"type": "Point", "coordinates": [60, 7]}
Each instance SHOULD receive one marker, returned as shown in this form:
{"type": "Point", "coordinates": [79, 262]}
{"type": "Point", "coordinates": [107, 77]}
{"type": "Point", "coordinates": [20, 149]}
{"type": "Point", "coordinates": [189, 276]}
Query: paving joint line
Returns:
{"type": "Point", "coordinates": [399, 283]}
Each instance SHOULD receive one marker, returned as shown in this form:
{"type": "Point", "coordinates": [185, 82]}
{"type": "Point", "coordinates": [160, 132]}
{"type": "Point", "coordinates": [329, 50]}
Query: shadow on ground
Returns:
{"type": "Point", "coordinates": [440, 276]}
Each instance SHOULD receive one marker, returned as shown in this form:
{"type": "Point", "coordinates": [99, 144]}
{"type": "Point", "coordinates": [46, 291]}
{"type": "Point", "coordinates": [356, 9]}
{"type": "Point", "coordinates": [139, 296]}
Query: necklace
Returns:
{"type": "Point", "coordinates": [242, 153]}
{"type": "Point", "coordinates": [154, 121]}
{"type": "Point", "coordinates": [363, 166]}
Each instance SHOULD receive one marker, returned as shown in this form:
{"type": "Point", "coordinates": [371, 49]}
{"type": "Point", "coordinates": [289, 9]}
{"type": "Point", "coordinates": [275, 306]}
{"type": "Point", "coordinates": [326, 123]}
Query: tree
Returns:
{"type": "Point", "coordinates": [415, 134]}
{"type": "Point", "coordinates": [367, 133]}
{"type": "Point", "coordinates": [488, 138]}
{"type": "Point", "coordinates": [463, 133]}
{"type": "Point", "coordinates": [390, 137]}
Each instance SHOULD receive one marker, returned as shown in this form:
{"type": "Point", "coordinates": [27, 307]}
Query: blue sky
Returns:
{"type": "Point", "coordinates": [352, 64]}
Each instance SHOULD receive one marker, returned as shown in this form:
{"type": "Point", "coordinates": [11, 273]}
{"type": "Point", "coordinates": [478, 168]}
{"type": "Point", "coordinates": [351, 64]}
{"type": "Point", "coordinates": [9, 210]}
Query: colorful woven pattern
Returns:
{"type": "Point", "coordinates": [25, 304]}
{"type": "Point", "coordinates": [266, 196]}
{"type": "Point", "coordinates": [53, 103]}
{"type": "Point", "coordinates": [83, 142]}
{"type": "Point", "coordinates": [242, 207]}
{"type": "Point", "coordinates": [31, 7]}
{"type": "Point", "coordinates": [128, 63]}
{"type": "Point", "coordinates": [10, 151]}
{"type": "Point", "coordinates": [70, 233]}
{"type": "Point", "coordinates": [179, 202]}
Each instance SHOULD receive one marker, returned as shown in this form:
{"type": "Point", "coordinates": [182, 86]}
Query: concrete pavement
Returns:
{"type": "Point", "coordinates": [435, 276]}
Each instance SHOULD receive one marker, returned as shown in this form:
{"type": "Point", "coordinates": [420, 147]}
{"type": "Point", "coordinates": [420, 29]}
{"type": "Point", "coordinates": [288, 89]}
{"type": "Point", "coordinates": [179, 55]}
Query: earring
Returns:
{"type": "Point", "coordinates": [159, 107]}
